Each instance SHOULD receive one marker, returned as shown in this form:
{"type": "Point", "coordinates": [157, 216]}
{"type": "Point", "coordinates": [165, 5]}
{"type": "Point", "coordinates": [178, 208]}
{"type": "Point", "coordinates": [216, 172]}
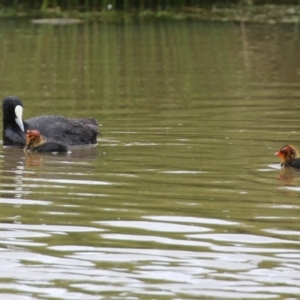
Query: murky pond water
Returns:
{"type": "Point", "coordinates": [183, 197]}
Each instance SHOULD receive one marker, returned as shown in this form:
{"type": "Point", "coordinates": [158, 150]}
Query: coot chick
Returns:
{"type": "Point", "coordinates": [58, 128]}
{"type": "Point", "coordinates": [36, 143]}
{"type": "Point", "coordinates": [289, 157]}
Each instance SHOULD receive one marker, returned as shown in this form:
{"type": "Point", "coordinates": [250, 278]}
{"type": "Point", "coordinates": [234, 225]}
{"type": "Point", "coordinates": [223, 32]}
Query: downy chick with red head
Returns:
{"type": "Point", "coordinates": [35, 142]}
{"type": "Point", "coordinates": [289, 157]}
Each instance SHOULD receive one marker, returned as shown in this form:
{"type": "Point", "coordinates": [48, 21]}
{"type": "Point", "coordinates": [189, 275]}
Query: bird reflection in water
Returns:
{"type": "Point", "coordinates": [18, 167]}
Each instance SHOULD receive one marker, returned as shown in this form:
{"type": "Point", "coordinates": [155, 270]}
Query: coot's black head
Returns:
{"type": "Point", "coordinates": [12, 108]}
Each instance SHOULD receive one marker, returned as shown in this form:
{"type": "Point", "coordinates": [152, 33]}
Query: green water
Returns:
{"type": "Point", "coordinates": [183, 197]}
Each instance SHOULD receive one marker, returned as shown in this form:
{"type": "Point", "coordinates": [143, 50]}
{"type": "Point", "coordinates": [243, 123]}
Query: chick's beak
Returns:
{"type": "Point", "coordinates": [18, 119]}
{"type": "Point", "coordinates": [280, 155]}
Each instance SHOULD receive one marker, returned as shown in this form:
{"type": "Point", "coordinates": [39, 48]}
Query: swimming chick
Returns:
{"type": "Point", "coordinates": [289, 157]}
{"type": "Point", "coordinates": [35, 142]}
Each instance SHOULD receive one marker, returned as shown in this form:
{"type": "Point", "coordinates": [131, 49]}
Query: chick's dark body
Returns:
{"type": "Point", "coordinates": [295, 163]}
{"type": "Point", "coordinates": [50, 146]}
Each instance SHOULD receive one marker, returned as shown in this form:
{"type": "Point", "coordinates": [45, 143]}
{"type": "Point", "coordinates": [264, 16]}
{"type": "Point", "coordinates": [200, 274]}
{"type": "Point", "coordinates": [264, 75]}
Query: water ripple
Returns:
{"type": "Point", "coordinates": [241, 238]}
{"type": "Point", "coordinates": [154, 226]}
{"type": "Point", "coordinates": [190, 220]}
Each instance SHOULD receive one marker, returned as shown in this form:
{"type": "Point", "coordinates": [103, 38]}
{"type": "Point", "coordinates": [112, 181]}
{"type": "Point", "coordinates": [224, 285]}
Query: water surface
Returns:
{"type": "Point", "coordinates": [183, 197]}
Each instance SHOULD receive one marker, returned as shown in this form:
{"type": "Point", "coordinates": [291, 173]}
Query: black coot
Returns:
{"type": "Point", "coordinates": [57, 128]}
{"type": "Point", "coordinates": [35, 142]}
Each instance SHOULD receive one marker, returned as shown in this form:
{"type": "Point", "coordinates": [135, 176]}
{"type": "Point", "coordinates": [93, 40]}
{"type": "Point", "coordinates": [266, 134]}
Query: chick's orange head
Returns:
{"type": "Point", "coordinates": [286, 152]}
{"type": "Point", "coordinates": [32, 133]}
{"type": "Point", "coordinates": [280, 154]}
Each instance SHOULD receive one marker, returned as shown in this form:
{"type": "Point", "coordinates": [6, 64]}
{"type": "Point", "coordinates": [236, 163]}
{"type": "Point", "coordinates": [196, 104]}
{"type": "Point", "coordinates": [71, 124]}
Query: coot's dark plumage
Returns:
{"type": "Point", "coordinates": [36, 143]}
{"type": "Point", "coordinates": [289, 157]}
{"type": "Point", "coordinates": [58, 128]}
